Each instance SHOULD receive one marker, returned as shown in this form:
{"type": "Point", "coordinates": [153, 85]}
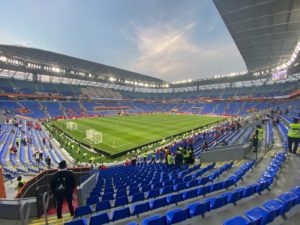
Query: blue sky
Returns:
{"type": "Point", "coordinates": [169, 39]}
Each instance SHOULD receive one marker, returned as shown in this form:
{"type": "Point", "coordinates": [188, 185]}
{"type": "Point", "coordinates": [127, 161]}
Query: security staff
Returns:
{"type": "Point", "coordinates": [293, 136]}
{"type": "Point", "coordinates": [170, 159]}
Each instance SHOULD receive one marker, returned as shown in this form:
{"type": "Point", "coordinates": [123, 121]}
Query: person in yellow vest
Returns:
{"type": "Point", "coordinates": [170, 160]}
{"type": "Point", "coordinates": [293, 136]}
{"type": "Point", "coordinates": [20, 184]}
{"type": "Point", "coordinates": [257, 137]}
{"type": "Point", "coordinates": [186, 156]}
{"type": "Point", "coordinates": [145, 157]}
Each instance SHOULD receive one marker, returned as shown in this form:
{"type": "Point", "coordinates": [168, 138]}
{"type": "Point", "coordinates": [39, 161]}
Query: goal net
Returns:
{"type": "Point", "coordinates": [71, 126]}
{"type": "Point", "coordinates": [93, 136]}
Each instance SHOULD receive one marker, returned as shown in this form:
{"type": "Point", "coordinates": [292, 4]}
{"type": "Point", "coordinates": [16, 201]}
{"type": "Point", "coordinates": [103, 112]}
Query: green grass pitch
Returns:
{"type": "Point", "coordinates": [120, 133]}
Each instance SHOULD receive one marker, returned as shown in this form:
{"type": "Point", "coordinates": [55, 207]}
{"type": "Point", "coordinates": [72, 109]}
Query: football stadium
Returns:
{"type": "Point", "coordinates": [124, 112]}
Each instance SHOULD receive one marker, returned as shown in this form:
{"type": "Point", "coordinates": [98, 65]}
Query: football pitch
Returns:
{"type": "Point", "coordinates": [120, 133]}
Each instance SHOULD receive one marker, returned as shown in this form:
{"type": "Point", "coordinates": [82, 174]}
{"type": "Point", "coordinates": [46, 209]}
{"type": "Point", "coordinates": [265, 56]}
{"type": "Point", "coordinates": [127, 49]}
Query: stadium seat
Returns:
{"type": "Point", "coordinates": [289, 198]}
{"type": "Point", "coordinates": [138, 197]}
{"type": "Point", "coordinates": [261, 215]}
{"type": "Point", "coordinates": [235, 196]}
{"type": "Point", "coordinates": [152, 194]}
{"type": "Point", "coordinates": [175, 198]}
{"type": "Point", "coordinates": [92, 200]}
{"type": "Point", "coordinates": [101, 206]}
{"type": "Point", "coordinates": [189, 194]}
{"type": "Point", "coordinates": [158, 203]}
{"type": "Point", "coordinates": [192, 183]}
{"type": "Point", "coordinates": [121, 201]}
{"type": "Point", "coordinates": [176, 216]}
{"type": "Point", "coordinates": [83, 210]}
{"type": "Point", "coordinates": [108, 197]}
{"type": "Point", "coordinates": [119, 214]}
{"type": "Point", "coordinates": [140, 208]}
{"type": "Point", "coordinates": [238, 220]}
{"type": "Point", "coordinates": [155, 220]}
{"type": "Point", "coordinates": [216, 186]}
{"type": "Point", "coordinates": [216, 202]}
{"type": "Point", "coordinates": [203, 190]}
{"type": "Point", "coordinates": [166, 190]}
{"type": "Point", "coordinates": [99, 219]}
{"type": "Point", "coordinates": [296, 190]}
{"type": "Point", "coordinates": [180, 186]}
{"type": "Point", "coordinates": [249, 190]}
{"type": "Point", "coordinates": [82, 221]}
{"type": "Point", "coordinates": [276, 206]}
{"type": "Point", "coordinates": [132, 223]}
{"type": "Point", "coordinates": [198, 208]}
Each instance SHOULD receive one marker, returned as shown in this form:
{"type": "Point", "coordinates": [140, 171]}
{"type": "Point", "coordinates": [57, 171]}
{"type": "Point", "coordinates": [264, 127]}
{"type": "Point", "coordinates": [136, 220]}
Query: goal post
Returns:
{"type": "Point", "coordinates": [93, 136]}
{"type": "Point", "coordinates": [71, 126]}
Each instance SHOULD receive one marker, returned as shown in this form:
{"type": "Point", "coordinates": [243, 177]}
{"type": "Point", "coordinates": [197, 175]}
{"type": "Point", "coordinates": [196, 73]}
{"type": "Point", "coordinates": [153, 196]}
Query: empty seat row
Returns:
{"type": "Point", "coordinates": [270, 210]}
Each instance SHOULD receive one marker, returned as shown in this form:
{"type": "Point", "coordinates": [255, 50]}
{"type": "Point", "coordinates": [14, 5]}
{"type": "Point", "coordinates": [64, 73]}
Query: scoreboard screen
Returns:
{"type": "Point", "coordinates": [280, 75]}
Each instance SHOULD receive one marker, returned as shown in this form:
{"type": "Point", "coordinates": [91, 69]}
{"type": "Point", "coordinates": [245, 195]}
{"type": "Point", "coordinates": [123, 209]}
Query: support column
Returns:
{"type": "Point", "coordinates": [2, 187]}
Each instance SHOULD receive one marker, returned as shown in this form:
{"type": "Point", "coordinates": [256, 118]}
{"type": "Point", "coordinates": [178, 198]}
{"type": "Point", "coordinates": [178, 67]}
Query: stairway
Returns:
{"type": "Point", "coordinates": [62, 108]}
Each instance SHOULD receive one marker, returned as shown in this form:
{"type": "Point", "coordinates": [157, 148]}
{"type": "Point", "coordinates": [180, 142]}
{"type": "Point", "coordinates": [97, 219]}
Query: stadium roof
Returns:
{"type": "Point", "coordinates": [51, 59]}
{"type": "Point", "coordinates": [266, 32]}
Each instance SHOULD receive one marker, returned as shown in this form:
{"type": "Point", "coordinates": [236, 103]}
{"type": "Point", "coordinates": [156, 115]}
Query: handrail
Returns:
{"type": "Point", "coordinates": [25, 212]}
{"type": "Point", "coordinates": [46, 198]}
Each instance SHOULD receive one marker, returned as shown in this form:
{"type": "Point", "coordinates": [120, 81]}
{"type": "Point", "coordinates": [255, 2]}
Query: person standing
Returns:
{"type": "Point", "coordinates": [62, 187]}
{"type": "Point", "coordinates": [48, 162]}
{"type": "Point", "coordinates": [293, 136]}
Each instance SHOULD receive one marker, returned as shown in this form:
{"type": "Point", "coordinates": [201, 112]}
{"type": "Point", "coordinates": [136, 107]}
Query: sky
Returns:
{"type": "Point", "coordinates": [168, 39]}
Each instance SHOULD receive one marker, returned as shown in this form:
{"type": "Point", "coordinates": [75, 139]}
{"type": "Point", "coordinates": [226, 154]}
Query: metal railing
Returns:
{"type": "Point", "coordinates": [46, 198]}
{"type": "Point", "coordinates": [25, 212]}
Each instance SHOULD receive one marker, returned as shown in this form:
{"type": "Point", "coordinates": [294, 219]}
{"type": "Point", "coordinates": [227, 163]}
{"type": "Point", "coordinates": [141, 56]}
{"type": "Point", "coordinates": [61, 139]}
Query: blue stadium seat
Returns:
{"type": "Point", "coordinates": [82, 221]}
{"type": "Point", "coordinates": [83, 210]}
{"type": "Point", "coordinates": [155, 220]}
{"type": "Point", "coordinates": [203, 190]}
{"type": "Point", "coordinates": [140, 208]}
{"type": "Point", "coordinates": [192, 183]}
{"type": "Point", "coordinates": [235, 196]}
{"type": "Point", "coordinates": [119, 214]}
{"type": "Point", "coordinates": [121, 201]}
{"type": "Point", "coordinates": [216, 186]}
{"type": "Point", "coordinates": [152, 194]}
{"type": "Point", "coordinates": [121, 193]}
{"type": "Point", "coordinates": [138, 197]}
{"type": "Point", "coordinates": [158, 203]}
{"type": "Point", "coordinates": [176, 215]}
{"type": "Point", "coordinates": [289, 198]}
{"type": "Point", "coordinates": [198, 208]}
{"type": "Point", "coordinates": [180, 186]}
{"type": "Point", "coordinates": [108, 197]}
{"type": "Point", "coordinates": [261, 187]}
{"type": "Point", "coordinates": [92, 200]}
{"type": "Point", "coordinates": [189, 194]}
{"type": "Point", "coordinates": [261, 215]}
{"type": "Point", "coordinates": [249, 190]}
{"type": "Point", "coordinates": [99, 219]}
{"type": "Point", "coordinates": [238, 220]}
{"type": "Point", "coordinates": [296, 190]}
{"type": "Point", "coordinates": [101, 206]}
{"type": "Point", "coordinates": [146, 188]}
{"type": "Point", "coordinates": [166, 190]}
{"type": "Point", "coordinates": [134, 191]}
{"type": "Point", "coordinates": [175, 198]}
{"type": "Point", "coordinates": [216, 202]}
{"type": "Point", "coordinates": [276, 206]}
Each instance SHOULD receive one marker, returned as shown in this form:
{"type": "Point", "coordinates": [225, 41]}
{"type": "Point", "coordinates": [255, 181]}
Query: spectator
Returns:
{"type": "Point", "coordinates": [62, 186]}
{"type": "Point", "coordinates": [48, 162]}
{"type": "Point", "coordinates": [20, 184]}
{"type": "Point", "coordinates": [293, 136]}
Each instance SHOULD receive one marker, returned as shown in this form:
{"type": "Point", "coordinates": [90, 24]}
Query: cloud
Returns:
{"type": "Point", "coordinates": [169, 53]}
